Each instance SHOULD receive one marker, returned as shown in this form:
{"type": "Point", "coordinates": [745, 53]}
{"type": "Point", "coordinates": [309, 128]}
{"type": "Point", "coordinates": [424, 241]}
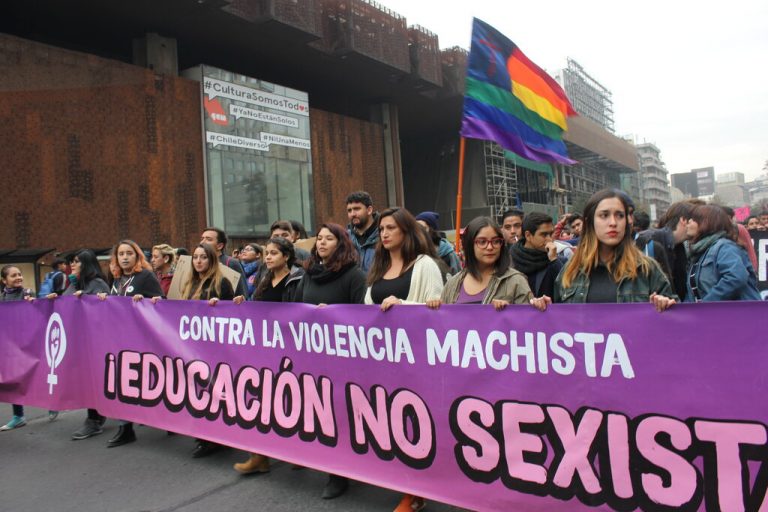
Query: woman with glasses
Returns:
{"type": "Point", "coordinates": [250, 258]}
{"type": "Point", "coordinates": [608, 267]}
{"type": "Point", "coordinates": [403, 270]}
{"type": "Point", "coordinates": [86, 279]}
{"type": "Point", "coordinates": [719, 268]}
{"type": "Point", "coordinates": [488, 277]}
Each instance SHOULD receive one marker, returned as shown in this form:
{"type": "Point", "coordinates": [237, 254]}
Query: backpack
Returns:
{"type": "Point", "coordinates": [47, 287]}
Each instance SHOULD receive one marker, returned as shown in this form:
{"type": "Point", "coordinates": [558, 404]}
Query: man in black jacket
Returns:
{"type": "Point", "coordinates": [535, 255]}
{"type": "Point", "coordinates": [670, 238]}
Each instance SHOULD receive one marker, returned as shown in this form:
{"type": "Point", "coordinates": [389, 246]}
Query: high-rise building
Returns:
{"type": "Point", "coordinates": [653, 179]}
{"type": "Point", "coordinates": [695, 183]}
{"type": "Point", "coordinates": [758, 189]}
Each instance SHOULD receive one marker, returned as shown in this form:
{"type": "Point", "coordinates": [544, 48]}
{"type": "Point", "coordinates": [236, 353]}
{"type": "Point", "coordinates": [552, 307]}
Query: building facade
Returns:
{"type": "Point", "coordinates": [107, 138]}
{"type": "Point", "coordinates": [731, 190]}
{"type": "Point", "coordinates": [654, 184]}
{"type": "Point", "coordinates": [699, 183]}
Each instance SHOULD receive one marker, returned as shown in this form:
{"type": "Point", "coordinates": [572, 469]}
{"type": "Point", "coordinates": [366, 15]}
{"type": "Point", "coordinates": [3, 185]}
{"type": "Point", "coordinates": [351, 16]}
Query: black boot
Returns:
{"type": "Point", "coordinates": [204, 448]}
{"type": "Point", "coordinates": [336, 486]}
{"type": "Point", "coordinates": [124, 435]}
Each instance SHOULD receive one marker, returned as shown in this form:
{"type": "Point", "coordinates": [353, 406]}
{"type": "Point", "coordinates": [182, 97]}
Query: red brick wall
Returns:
{"type": "Point", "coordinates": [95, 150]}
{"type": "Point", "coordinates": [347, 155]}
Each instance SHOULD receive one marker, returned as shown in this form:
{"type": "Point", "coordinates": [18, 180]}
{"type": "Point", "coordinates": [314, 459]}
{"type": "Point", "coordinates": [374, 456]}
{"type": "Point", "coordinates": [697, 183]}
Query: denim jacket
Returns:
{"type": "Point", "coordinates": [628, 290]}
{"type": "Point", "coordinates": [723, 272]}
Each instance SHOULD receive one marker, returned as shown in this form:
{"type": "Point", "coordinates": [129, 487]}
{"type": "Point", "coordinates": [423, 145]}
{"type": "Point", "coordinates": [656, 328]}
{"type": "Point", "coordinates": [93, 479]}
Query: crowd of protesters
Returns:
{"type": "Point", "coordinates": [608, 253]}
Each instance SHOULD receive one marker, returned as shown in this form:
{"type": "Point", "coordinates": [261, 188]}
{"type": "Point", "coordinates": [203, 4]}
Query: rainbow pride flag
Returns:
{"type": "Point", "coordinates": [512, 101]}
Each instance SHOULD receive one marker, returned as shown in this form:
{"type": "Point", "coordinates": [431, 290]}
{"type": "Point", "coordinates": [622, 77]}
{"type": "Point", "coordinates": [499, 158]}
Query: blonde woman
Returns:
{"type": "Point", "coordinates": [206, 282]}
{"type": "Point", "coordinates": [163, 263]}
{"type": "Point", "coordinates": [607, 267]}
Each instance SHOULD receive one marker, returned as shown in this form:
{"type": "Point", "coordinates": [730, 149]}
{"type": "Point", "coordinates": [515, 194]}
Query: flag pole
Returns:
{"type": "Point", "coordinates": [459, 197]}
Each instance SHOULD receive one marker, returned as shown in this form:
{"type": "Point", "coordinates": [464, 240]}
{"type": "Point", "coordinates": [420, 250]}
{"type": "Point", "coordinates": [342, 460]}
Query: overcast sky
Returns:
{"type": "Point", "coordinates": [690, 77]}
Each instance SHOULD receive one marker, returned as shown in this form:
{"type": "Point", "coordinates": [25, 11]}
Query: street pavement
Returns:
{"type": "Point", "coordinates": [43, 470]}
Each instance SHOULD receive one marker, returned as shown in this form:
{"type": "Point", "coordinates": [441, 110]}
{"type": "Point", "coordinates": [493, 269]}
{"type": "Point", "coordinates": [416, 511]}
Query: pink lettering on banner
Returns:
{"type": "Point", "coordinates": [518, 443]}
{"type": "Point", "coordinates": [382, 421]}
{"type": "Point", "coordinates": [677, 487]}
{"type": "Point", "coordinates": [729, 438]}
{"type": "Point", "coordinates": [574, 448]}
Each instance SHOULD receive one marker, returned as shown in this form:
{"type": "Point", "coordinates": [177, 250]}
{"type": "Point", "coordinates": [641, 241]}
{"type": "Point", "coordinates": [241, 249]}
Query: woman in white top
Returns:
{"type": "Point", "coordinates": [403, 270]}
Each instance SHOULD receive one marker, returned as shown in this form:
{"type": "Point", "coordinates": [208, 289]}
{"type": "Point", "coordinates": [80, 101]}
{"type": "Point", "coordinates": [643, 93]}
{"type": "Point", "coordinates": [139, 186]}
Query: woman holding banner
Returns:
{"type": "Point", "coordinates": [332, 277]}
{"type": "Point", "coordinates": [132, 277]}
{"type": "Point", "coordinates": [404, 270]}
{"type": "Point", "coordinates": [719, 268]}
{"type": "Point", "coordinates": [488, 277]}
{"type": "Point", "coordinates": [608, 267]}
{"type": "Point", "coordinates": [278, 285]}
{"type": "Point", "coordinates": [13, 290]}
{"type": "Point", "coordinates": [206, 282]}
{"type": "Point", "coordinates": [86, 279]}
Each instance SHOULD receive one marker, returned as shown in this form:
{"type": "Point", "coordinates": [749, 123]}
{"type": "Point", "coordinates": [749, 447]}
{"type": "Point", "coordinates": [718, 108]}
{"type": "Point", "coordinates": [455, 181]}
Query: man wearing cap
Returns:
{"type": "Point", "coordinates": [445, 250]}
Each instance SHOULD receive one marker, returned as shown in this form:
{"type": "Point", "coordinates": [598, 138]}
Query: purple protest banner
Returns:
{"type": "Point", "coordinates": [597, 406]}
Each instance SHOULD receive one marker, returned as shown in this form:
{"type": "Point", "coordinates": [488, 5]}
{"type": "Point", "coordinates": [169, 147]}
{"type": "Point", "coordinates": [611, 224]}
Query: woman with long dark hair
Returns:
{"type": "Point", "coordinates": [404, 270]}
{"type": "Point", "coordinates": [13, 290]}
{"type": "Point", "coordinates": [132, 276]}
{"type": "Point", "coordinates": [488, 277]}
{"type": "Point", "coordinates": [332, 277]}
{"type": "Point", "coordinates": [718, 267]}
{"type": "Point", "coordinates": [278, 285]}
{"type": "Point", "coordinates": [608, 267]}
{"type": "Point", "coordinates": [86, 279]}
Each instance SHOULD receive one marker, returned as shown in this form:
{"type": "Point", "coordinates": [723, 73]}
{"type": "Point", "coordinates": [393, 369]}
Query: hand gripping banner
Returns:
{"type": "Point", "coordinates": [614, 407]}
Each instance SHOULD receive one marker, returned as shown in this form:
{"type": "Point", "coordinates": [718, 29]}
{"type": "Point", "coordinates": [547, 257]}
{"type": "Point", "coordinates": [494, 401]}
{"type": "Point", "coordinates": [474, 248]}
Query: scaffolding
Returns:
{"type": "Point", "coordinates": [500, 179]}
{"type": "Point", "coordinates": [588, 96]}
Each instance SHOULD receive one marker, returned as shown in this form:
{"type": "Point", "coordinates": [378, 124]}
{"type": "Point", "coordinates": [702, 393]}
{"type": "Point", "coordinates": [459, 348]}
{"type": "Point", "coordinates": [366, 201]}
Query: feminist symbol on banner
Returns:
{"type": "Point", "coordinates": [55, 347]}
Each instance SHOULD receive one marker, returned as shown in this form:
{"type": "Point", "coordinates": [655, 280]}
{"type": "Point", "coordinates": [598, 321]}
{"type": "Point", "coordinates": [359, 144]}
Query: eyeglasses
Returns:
{"type": "Point", "coordinates": [483, 242]}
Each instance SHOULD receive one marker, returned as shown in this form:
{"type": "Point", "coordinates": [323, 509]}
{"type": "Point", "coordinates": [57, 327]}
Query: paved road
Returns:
{"type": "Point", "coordinates": [43, 470]}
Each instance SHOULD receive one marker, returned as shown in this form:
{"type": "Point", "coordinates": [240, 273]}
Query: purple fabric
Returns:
{"type": "Point", "coordinates": [465, 298]}
{"type": "Point", "coordinates": [473, 128]}
{"type": "Point", "coordinates": [607, 406]}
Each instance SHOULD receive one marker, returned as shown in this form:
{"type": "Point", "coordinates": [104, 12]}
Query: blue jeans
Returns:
{"type": "Point", "coordinates": [18, 410]}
